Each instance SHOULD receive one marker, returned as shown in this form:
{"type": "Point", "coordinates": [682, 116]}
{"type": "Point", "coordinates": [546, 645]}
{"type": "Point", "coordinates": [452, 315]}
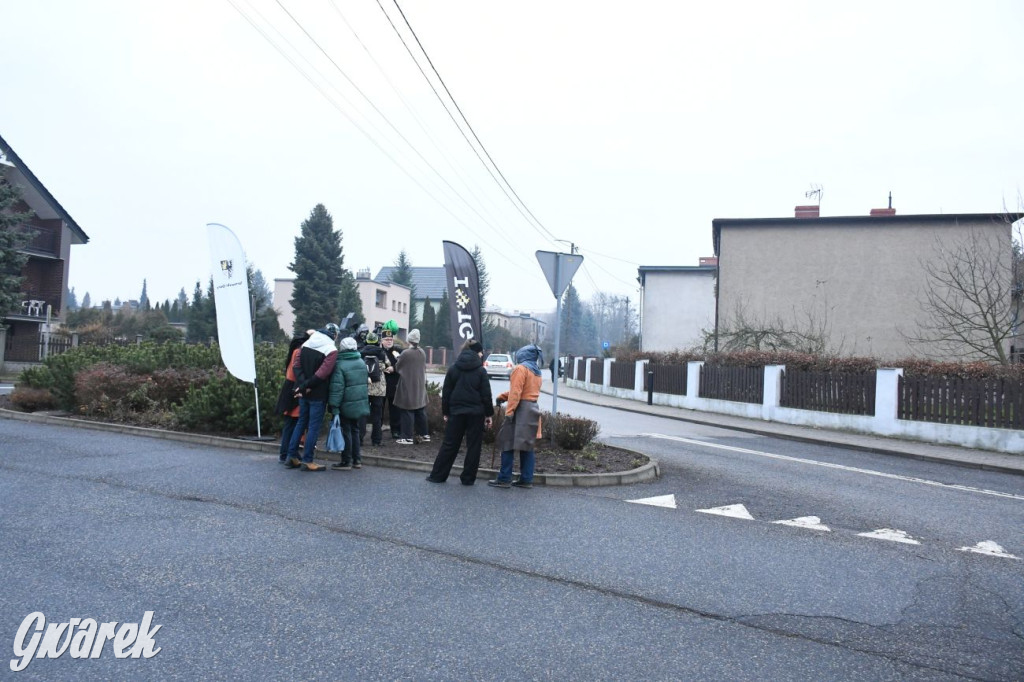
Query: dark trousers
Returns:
{"type": "Point", "coordinates": [352, 454]}
{"type": "Point", "coordinates": [472, 427]}
{"type": "Point", "coordinates": [417, 418]}
{"type": "Point", "coordinates": [394, 413]}
{"type": "Point", "coordinates": [287, 428]}
{"type": "Point", "coordinates": [375, 420]}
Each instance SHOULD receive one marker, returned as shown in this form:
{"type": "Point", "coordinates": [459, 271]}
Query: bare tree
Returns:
{"type": "Point", "coordinates": [806, 332]}
{"type": "Point", "coordinates": [968, 307]}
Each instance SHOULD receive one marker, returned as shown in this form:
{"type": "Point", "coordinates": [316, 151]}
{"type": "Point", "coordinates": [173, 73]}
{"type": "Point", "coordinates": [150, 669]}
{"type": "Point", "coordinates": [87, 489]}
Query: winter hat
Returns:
{"type": "Point", "coordinates": [371, 339]}
{"type": "Point", "coordinates": [414, 336]}
{"type": "Point", "coordinates": [348, 343]}
{"type": "Point", "coordinates": [475, 346]}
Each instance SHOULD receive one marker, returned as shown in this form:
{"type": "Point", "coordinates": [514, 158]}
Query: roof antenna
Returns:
{"type": "Point", "coordinates": [816, 192]}
{"type": "Point", "coordinates": [890, 199]}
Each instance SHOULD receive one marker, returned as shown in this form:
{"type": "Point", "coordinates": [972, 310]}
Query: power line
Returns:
{"type": "Point", "coordinates": [537, 222]}
{"type": "Point", "coordinates": [408, 105]}
{"type": "Point", "coordinates": [391, 125]}
{"type": "Point", "coordinates": [358, 127]}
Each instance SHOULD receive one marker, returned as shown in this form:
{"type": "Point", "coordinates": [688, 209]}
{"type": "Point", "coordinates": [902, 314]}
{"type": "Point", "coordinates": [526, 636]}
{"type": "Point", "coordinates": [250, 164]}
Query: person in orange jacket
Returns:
{"type": "Point", "coordinates": [522, 425]}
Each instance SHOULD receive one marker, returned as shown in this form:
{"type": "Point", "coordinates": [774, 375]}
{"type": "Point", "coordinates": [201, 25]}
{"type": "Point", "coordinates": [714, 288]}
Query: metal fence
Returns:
{"type": "Point", "coordinates": [739, 384]}
{"type": "Point", "coordinates": [995, 403]}
{"type": "Point", "coordinates": [838, 392]}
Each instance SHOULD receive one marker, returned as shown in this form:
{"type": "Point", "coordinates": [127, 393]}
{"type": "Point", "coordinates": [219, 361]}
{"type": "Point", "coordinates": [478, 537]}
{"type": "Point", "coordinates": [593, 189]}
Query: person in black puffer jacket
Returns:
{"type": "Point", "coordinates": [467, 409]}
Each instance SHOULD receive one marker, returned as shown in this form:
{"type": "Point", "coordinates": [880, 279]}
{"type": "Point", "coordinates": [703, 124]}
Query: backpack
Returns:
{"type": "Point", "coordinates": [373, 368]}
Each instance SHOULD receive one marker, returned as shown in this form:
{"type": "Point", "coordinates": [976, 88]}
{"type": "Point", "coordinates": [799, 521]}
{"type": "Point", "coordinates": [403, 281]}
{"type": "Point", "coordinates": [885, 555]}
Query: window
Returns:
{"type": "Point", "coordinates": [382, 299]}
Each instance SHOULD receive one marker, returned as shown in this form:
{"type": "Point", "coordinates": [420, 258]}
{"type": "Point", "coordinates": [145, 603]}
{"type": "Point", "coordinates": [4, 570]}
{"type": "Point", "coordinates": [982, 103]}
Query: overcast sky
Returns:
{"type": "Point", "coordinates": [623, 127]}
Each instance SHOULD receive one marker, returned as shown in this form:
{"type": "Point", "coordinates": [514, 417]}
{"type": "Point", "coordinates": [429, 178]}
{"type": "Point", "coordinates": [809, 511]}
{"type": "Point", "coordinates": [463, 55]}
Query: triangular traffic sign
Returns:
{"type": "Point", "coordinates": [558, 269]}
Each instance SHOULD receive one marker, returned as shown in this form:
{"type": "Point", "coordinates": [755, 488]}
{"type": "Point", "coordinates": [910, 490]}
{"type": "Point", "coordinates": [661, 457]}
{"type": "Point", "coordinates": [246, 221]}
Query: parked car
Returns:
{"type": "Point", "coordinates": [498, 365]}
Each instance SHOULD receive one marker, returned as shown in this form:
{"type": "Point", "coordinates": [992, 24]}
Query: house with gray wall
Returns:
{"type": "Point", "coordinates": [860, 282]}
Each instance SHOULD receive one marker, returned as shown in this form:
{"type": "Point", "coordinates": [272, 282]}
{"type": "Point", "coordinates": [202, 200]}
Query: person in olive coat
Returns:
{"type": "Point", "coordinates": [349, 397]}
{"type": "Point", "coordinates": [467, 409]}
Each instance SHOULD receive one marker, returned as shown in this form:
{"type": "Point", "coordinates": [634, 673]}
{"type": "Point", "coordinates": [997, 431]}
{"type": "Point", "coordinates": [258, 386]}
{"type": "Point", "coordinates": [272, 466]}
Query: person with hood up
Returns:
{"type": "Point", "coordinates": [313, 368]}
{"type": "Point", "coordinates": [466, 406]}
{"type": "Point", "coordinates": [521, 427]}
{"type": "Point", "coordinates": [411, 394]}
{"type": "Point", "coordinates": [347, 398]}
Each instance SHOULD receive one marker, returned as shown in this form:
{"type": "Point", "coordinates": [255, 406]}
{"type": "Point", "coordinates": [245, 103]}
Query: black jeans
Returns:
{"type": "Point", "coordinates": [376, 415]}
{"type": "Point", "coordinates": [472, 427]}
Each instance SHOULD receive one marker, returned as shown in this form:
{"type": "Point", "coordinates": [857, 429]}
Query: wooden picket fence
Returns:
{"type": "Point", "coordinates": [739, 384]}
{"type": "Point", "coordinates": [623, 375]}
{"type": "Point", "coordinates": [838, 392]}
{"type": "Point", "coordinates": [669, 379]}
{"type": "Point", "coordinates": [997, 403]}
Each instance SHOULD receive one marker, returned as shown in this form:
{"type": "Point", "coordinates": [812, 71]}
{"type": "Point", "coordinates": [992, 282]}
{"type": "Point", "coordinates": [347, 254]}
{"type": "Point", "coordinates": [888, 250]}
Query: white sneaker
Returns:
{"type": "Point", "coordinates": [404, 441]}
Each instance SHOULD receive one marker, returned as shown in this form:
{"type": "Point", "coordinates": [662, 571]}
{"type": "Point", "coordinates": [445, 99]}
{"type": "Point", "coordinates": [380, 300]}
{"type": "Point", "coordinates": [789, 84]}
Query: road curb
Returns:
{"type": "Point", "coordinates": [648, 472]}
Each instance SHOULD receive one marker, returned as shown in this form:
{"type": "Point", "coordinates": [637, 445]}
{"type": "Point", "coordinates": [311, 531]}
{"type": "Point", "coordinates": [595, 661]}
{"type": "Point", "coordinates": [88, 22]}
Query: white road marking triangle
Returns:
{"type": "Point", "coordinates": [811, 522]}
{"type": "Point", "coordinates": [668, 501]}
{"type": "Point", "coordinates": [891, 535]}
{"type": "Point", "coordinates": [991, 549]}
{"type": "Point", "coordinates": [737, 511]}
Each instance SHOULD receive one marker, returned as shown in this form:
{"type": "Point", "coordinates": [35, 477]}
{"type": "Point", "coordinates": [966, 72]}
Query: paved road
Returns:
{"type": "Point", "coordinates": [257, 572]}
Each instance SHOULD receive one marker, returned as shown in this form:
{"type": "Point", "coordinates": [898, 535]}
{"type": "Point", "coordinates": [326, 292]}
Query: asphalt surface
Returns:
{"type": "Point", "coordinates": [254, 571]}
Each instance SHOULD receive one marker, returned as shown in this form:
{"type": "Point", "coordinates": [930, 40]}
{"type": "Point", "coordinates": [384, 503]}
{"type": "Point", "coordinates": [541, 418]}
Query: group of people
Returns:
{"type": "Point", "coordinates": [356, 378]}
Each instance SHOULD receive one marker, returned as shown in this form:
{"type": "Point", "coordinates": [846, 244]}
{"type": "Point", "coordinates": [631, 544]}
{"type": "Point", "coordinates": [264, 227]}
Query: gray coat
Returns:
{"type": "Point", "coordinates": [411, 367]}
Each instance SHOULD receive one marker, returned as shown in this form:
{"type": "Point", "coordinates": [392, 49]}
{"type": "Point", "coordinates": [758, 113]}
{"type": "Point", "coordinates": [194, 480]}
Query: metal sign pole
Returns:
{"type": "Point", "coordinates": [558, 328]}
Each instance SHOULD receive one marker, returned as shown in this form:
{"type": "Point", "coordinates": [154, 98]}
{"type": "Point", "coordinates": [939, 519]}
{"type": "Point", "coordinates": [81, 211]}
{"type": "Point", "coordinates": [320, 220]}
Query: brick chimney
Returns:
{"type": "Point", "coordinates": [884, 211]}
{"type": "Point", "coordinates": [708, 260]}
{"type": "Point", "coordinates": [807, 211]}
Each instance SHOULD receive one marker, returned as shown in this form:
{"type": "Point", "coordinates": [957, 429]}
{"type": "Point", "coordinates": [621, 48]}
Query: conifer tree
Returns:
{"type": "Point", "coordinates": [12, 239]}
{"type": "Point", "coordinates": [318, 268]}
{"type": "Point", "coordinates": [428, 325]}
{"type": "Point", "coordinates": [143, 297]}
{"type": "Point", "coordinates": [402, 274]}
{"type": "Point", "coordinates": [87, 300]}
{"type": "Point", "coordinates": [442, 323]}
{"type": "Point", "coordinates": [578, 336]}
{"type": "Point", "coordinates": [349, 301]}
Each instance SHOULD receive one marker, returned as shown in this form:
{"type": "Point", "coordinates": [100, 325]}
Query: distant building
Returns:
{"type": "Point", "coordinates": [523, 325]}
{"type": "Point", "coordinates": [381, 301]}
{"type": "Point", "coordinates": [677, 305]}
{"type": "Point", "coordinates": [427, 283]}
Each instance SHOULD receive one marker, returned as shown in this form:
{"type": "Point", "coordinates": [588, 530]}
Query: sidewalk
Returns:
{"type": "Point", "coordinates": [947, 454]}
